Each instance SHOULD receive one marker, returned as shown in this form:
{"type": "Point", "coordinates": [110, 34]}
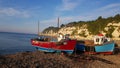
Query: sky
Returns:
{"type": "Point", "coordinates": [22, 16]}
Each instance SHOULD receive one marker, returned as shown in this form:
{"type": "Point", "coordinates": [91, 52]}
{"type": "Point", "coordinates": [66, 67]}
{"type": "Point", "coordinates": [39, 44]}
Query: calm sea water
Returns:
{"type": "Point", "coordinates": [11, 43]}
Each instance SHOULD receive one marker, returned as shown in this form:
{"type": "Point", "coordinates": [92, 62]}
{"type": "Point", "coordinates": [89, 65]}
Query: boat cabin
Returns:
{"type": "Point", "coordinates": [100, 39]}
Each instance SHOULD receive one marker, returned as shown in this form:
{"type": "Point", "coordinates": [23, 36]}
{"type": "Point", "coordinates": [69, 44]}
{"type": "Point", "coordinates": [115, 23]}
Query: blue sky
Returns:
{"type": "Point", "coordinates": [23, 15]}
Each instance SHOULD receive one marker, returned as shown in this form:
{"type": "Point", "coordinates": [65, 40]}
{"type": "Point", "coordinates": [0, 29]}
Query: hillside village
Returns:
{"type": "Point", "coordinates": [109, 27]}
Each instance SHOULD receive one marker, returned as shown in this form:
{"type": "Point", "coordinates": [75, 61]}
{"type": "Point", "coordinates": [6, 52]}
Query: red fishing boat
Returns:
{"type": "Point", "coordinates": [48, 44]}
{"type": "Point", "coordinates": [52, 44]}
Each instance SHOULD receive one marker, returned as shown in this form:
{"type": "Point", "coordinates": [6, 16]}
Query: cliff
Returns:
{"type": "Point", "coordinates": [110, 27]}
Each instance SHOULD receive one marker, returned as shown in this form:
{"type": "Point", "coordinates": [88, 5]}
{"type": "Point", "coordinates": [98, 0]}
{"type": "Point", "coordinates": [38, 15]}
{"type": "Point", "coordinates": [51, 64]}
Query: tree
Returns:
{"type": "Point", "coordinates": [117, 18]}
{"type": "Point", "coordinates": [74, 32]}
{"type": "Point", "coordinates": [62, 25]}
{"type": "Point", "coordinates": [99, 18]}
{"type": "Point", "coordinates": [110, 31]}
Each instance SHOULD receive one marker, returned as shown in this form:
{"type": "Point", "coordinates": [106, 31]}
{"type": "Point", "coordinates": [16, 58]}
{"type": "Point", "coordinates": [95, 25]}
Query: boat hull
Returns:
{"type": "Point", "coordinates": [65, 46]}
{"type": "Point", "coordinates": [108, 47]}
{"type": "Point", "coordinates": [53, 50]}
{"type": "Point", "coordinates": [44, 49]}
{"type": "Point", "coordinates": [80, 47]}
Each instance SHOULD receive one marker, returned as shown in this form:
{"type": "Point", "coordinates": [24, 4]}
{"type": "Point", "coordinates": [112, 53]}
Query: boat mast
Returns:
{"type": "Point", "coordinates": [58, 22]}
{"type": "Point", "coordinates": [38, 27]}
{"type": "Point", "coordinates": [57, 25]}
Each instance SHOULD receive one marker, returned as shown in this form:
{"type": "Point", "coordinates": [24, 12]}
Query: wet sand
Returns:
{"type": "Point", "coordinates": [40, 59]}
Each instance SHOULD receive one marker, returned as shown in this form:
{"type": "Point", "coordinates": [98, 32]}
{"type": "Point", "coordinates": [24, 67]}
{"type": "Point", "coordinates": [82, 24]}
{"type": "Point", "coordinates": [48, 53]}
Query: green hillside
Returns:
{"type": "Point", "coordinates": [94, 26]}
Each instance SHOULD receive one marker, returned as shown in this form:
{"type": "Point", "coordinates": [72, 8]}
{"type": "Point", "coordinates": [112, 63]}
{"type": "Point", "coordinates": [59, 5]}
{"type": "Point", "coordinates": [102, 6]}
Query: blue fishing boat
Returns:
{"type": "Point", "coordinates": [101, 44]}
{"type": "Point", "coordinates": [107, 47]}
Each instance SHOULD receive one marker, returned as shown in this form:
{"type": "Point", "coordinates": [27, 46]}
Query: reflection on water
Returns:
{"type": "Point", "coordinates": [11, 43]}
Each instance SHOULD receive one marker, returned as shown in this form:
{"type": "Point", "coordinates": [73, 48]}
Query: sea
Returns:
{"type": "Point", "coordinates": [11, 43]}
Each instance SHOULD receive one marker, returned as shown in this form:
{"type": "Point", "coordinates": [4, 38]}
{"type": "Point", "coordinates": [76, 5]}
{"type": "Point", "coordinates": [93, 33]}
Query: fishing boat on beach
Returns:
{"type": "Point", "coordinates": [60, 44]}
{"type": "Point", "coordinates": [100, 45]}
{"type": "Point", "coordinates": [48, 44]}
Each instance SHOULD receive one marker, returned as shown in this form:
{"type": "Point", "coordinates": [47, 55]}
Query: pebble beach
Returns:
{"type": "Point", "coordinates": [38, 59]}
